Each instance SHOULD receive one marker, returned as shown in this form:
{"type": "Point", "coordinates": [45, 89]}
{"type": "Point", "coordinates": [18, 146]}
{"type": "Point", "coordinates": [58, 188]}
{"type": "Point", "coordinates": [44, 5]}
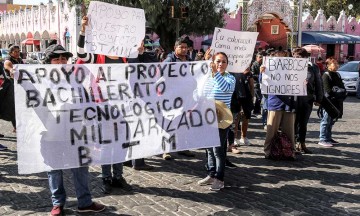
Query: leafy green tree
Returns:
{"type": "Point", "coordinates": [203, 17]}
{"type": "Point", "coordinates": [333, 7]}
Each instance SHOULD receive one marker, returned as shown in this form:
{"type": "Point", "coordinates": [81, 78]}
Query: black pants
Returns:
{"type": "Point", "coordinates": [258, 97]}
{"type": "Point", "coordinates": [7, 104]}
{"type": "Point", "coordinates": [303, 113]}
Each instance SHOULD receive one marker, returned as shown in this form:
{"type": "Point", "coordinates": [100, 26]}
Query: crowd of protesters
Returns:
{"type": "Point", "coordinates": [240, 92]}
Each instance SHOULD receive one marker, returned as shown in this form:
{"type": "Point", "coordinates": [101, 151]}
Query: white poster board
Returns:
{"type": "Point", "coordinates": [285, 76]}
{"type": "Point", "coordinates": [132, 111]}
{"type": "Point", "coordinates": [238, 46]}
{"type": "Point", "coordinates": [114, 30]}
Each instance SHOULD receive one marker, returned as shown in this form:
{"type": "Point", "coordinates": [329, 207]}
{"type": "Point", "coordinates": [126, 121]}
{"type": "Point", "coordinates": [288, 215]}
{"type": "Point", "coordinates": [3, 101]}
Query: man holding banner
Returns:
{"type": "Point", "coordinates": [116, 180]}
{"type": "Point", "coordinates": [56, 54]}
{"type": "Point", "coordinates": [180, 54]}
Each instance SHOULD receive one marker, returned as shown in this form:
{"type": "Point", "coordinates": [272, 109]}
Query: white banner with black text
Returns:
{"type": "Point", "coordinates": [70, 116]}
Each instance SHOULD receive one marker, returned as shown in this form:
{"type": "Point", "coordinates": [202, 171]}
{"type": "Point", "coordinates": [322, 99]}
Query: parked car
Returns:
{"type": "Point", "coordinates": [350, 73]}
{"type": "Point", "coordinates": [3, 54]}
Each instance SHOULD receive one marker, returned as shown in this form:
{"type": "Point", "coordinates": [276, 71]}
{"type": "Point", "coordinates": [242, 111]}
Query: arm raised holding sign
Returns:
{"type": "Point", "coordinates": [86, 57]}
{"type": "Point", "coordinates": [220, 86]}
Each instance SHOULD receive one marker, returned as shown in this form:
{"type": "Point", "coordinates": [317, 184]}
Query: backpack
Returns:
{"type": "Point", "coordinates": [281, 147]}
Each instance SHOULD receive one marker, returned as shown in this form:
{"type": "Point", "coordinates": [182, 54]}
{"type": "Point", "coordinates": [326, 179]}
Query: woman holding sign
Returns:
{"type": "Point", "coordinates": [281, 113]}
{"type": "Point", "coordinates": [219, 86]}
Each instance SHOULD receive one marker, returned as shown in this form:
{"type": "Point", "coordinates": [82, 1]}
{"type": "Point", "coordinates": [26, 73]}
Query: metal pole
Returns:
{"type": "Point", "coordinates": [299, 23]}
{"type": "Point", "coordinates": [177, 28]}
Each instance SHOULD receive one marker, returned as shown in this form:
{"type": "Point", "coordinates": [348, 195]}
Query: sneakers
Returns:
{"type": "Point", "coordinates": [333, 142]}
{"type": "Point", "coordinates": [186, 153]}
{"type": "Point", "coordinates": [57, 211]}
{"type": "Point", "coordinates": [232, 148]}
{"type": "Point", "coordinates": [265, 127]}
{"type": "Point", "coordinates": [245, 141]}
{"type": "Point", "coordinates": [3, 148]}
{"type": "Point", "coordinates": [325, 143]}
{"type": "Point", "coordinates": [206, 181]}
{"type": "Point", "coordinates": [94, 207]}
{"type": "Point", "coordinates": [166, 156]}
{"type": "Point", "coordinates": [237, 142]}
{"type": "Point", "coordinates": [120, 183]}
{"type": "Point", "coordinates": [106, 186]}
{"type": "Point", "coordinates": [229, 164]}
{"type": "Point", "coordinates": [217, 185]}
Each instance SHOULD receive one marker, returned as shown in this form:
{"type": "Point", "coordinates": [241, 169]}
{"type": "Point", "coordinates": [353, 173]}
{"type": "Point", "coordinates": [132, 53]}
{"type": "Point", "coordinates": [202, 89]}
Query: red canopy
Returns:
{"type": "Point", "coordinates": [31, 41]}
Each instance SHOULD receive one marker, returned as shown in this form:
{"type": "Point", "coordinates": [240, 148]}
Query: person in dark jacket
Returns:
{"type": "Point", "coordinates": [255, 70]}
{"type": "Point", "coordinates": [180, 53]}
{"type": "Point", "coordinates": [12, 60]}
{"type": "Point", "coordinates": [330, 79]}
{"type": "Point", "coordinates": [305, 103]}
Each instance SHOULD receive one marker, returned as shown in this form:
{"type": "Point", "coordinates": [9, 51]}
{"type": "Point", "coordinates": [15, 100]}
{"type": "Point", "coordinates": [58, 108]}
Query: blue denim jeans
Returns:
{"type": "Point", "coordinates": [117, 170]}
{"type": "Point", "coordinates": [216, 157]}
{"type": "Point", "coordinates": [358, 89]}
{"type": "Point", "coordinates": [81, 180]}
{"type": "Point", "coordinates": [325, 127]}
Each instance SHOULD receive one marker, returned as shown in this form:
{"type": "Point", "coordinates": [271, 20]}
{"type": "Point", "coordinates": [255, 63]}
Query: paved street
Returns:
{"type": "Point", "coordinates": [325, 183]}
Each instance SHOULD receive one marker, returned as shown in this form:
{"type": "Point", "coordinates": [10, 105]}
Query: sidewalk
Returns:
{"type": "Point", "coordinates": [324, 183]}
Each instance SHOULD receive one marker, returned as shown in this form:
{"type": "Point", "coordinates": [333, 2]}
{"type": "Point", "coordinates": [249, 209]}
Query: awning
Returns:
{"type": "Point", "coordinates": [317, 37]}
{"type": "Point", "coordinates": [31, 41]}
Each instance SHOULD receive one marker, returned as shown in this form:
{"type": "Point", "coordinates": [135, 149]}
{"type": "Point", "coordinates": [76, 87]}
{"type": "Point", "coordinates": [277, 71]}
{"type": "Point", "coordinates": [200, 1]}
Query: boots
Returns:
{"type": "Point", "coordinates": [301, 147]}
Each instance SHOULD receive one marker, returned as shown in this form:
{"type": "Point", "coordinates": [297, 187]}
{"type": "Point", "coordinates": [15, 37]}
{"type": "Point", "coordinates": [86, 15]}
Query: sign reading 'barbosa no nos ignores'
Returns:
{"type": "Point", "coordinates": [114, 30]}
{"type": "Point", "coordinates": [238, 46]}
{"type": "Point", "coordinates": [74, 115]}
{"type": "Point", "coordinates": [285, 76]}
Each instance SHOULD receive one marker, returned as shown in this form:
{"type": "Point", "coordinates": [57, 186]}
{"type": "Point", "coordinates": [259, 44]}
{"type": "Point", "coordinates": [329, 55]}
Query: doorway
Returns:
{"type": "Point", "coordinates": [351, 52]}
{"type": "Point", "coordinates": [330, 50]}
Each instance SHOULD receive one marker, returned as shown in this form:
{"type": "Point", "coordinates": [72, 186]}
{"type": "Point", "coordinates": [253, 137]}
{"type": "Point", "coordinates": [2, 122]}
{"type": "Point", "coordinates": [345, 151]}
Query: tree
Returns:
{"type": "Point", "coordinates": [203, 17]}
{"type": "Point", "coordinates": [333, 7]}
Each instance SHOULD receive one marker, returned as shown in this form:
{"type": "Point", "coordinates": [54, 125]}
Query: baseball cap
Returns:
{"type": "Point", "coordinates": [56, 49]}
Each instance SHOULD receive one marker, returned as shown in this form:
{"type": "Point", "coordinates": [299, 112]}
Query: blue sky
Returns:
{"type": "Point", "coordinates": [231, 5]}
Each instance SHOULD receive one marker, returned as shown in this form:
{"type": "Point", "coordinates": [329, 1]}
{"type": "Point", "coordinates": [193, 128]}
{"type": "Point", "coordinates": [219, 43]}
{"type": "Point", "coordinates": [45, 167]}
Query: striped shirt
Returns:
{"type": "Point", "coordinates": [220, 87]}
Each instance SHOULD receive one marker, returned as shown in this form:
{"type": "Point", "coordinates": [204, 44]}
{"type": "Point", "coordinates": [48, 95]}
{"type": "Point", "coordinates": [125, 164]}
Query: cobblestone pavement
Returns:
{"type": "Point", "coordinates": [324, 183]}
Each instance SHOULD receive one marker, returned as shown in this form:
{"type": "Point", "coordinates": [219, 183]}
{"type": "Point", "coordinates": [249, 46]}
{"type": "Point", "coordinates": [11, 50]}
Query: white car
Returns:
{"type": "Point", "coordinates": [350, 73]}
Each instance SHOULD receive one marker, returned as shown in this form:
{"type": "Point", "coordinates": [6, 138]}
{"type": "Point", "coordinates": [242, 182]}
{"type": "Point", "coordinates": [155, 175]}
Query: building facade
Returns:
{"type": "Point", "coordinates": [33, 27]}
{"type": "Point", "coordinates": [275, 20]}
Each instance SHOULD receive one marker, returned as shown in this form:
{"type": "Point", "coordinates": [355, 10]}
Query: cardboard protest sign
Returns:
{"type": "Point", "coordinates": [114, 30]}
{"type": "Point", "coordinates": [76, 115]}
{"type": "Point", "coordinates": [285, 76]}
{"type": "Point", "coordinates": [238, 46]}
